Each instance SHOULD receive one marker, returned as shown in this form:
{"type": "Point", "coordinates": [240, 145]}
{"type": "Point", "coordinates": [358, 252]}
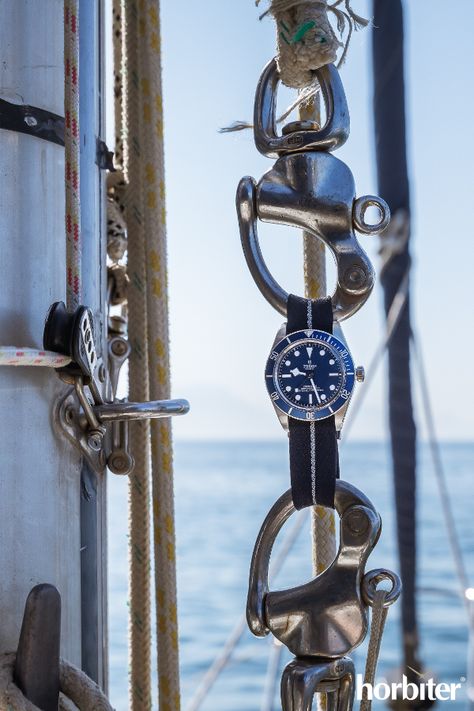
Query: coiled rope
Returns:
{"type": "Point", "coordinates": [78, 692]}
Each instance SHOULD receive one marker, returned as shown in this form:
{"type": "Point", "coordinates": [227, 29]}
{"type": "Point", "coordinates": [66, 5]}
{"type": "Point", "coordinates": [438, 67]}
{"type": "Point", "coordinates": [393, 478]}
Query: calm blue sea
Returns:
{"type": "Point", "coordinates": [223, 492]}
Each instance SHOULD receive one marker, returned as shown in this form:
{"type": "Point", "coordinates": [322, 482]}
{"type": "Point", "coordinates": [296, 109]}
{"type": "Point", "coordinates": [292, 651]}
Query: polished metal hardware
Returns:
{"type": "Point", "coordinates": [326, 617]}
{"type": "Point", "coordinates": [124, 411]}
{"type": "Point", "coordinates": [332, 135]}
{"type": "Point", "coordinates": [95, 423]}
{"type": "Point", "coordinates": [311, 189]}
{"type": "Point", "coordinates": [303, 678]}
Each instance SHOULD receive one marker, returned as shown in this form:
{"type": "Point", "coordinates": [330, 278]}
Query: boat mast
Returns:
{"type": "Point", "coordinates": [52, 522]}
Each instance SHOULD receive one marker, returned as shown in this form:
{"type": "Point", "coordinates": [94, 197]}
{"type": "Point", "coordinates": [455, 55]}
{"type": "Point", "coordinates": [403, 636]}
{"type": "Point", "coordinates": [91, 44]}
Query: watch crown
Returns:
{"type": "Point", "coordinates": [360, 374]}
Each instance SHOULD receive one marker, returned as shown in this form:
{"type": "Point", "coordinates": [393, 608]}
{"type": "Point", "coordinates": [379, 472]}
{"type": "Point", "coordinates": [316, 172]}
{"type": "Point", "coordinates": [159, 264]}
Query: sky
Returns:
{"type": "Point", "coordinates": [221, 327]}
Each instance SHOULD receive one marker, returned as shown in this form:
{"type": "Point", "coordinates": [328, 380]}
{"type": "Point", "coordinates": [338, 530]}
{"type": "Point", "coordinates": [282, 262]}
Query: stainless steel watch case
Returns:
{"type": "Point", "coordinates": [340, 414]}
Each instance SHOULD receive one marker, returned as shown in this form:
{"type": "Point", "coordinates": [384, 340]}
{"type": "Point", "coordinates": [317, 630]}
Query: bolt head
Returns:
{"type": "Point", "coordinates": [94, 441]}
{"type": "Point", "coordinates": [119, 348]}
{"type": "Point", "coordinates": [360, 374]}
{"type": "Point", "coordinates": [355, 278]}
{"type": "Point", "coordinates": [30, 121]}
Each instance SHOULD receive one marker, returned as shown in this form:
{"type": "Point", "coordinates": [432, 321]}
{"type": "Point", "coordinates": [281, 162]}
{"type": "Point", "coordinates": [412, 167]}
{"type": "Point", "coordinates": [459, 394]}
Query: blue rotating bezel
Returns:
{"type": "Point", "coordinates": [273, 363]}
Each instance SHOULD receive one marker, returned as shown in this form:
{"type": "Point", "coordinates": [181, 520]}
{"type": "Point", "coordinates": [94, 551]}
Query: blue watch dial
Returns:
{"type": "Point", "coordinates": [310, 375]}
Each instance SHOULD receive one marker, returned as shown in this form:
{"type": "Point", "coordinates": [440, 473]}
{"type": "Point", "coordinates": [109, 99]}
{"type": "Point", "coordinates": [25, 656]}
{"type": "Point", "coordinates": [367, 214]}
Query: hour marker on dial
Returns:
{"type": "Point", "coordinates": [309, 350]}
{"type": "Point", "coordinates": [297, 353]}
{"type": "Point", "coordinates": [287, 362]}
{"type": "Point", "coordinates": [310, 398]}
{"type": "Point", "coordinates": [332, 387]}
{"type": "Point", "coordinates": [298, 397]}
{"type": "Point", "coordinates": [288, 388]}
{"type": "Point", "coordinates": [333, 375]}
{"type": "Point", "coordinates": [332, 361]}
{"type": "Point", "coordinates": [322, 352]}
{"type": "Point", "coordinates": [323, 396]}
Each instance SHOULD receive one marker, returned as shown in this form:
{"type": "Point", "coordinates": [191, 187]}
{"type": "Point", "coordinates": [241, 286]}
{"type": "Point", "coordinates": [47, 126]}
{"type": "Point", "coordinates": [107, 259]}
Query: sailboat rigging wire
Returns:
{"type": "Point", "coordinates": [379, 617]}
{"type": "Point", "coordinates": [222, 659]}
{"type": "Point", "coordinates": [440, 476]}
{"type": "Point", "coordinates": [393, 318]}
{"type": "Point", "coordinates": [273, 670]}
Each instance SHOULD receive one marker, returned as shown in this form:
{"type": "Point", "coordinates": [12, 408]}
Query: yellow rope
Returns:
{"type": "Point", "coordinates": [323, 522]}
{"type": "Point", "coordinates": [148, 334]}
{"type": "Point", "coordinates": [139, 492]}
{"type": "Point", "coordinates": [158, 354]}
{"type": "Point", "coordinates": [323, 519]}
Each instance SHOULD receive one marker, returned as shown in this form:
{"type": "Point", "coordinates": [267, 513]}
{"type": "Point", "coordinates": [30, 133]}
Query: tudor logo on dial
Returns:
{"type": "Point", "coordinates": [310, 375]}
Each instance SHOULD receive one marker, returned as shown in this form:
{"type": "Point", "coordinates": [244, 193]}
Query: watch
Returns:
{"type": "Point", "coordinates": [310, 377]}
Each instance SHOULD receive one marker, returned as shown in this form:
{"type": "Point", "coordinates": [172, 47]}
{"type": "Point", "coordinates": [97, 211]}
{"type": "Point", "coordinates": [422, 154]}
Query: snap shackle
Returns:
{"type": "Point", "coordinates": [332, 135]}
{"type": "Point", "coordinates": [326, 617]}
{"type": "Point", "coordinates": [311, 189]}
{"type": "Point", "coordinates": [303, 678]}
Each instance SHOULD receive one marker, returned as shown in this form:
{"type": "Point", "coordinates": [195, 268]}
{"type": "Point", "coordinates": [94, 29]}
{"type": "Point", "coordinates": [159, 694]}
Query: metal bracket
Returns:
{"type": "Point", "coordinates": [68, 420]}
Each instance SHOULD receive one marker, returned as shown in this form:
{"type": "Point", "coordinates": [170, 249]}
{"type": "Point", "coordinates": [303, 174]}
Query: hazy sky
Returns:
{"type": "Point", "coordinates": [222, 328]}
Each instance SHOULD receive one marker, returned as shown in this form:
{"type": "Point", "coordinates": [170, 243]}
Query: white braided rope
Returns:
{"type": "Point", "coordinates": [323, 522]}
{"type": "Point", "coordinates": [153, 170]}
{"type": "Point", "coordinates": [72, 153]}
{"type": "Point", "coordinates": [139, 490]}
{"type": "Point", "coordinates": [306, 40]}
{"type": "Point", "coordinates": [12, 355]}
{"type": "Point", "coordinates": [78, 691]}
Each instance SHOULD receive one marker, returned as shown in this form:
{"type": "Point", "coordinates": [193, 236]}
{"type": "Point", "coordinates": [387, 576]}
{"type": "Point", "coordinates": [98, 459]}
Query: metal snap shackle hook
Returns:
{"type": "Point", "coordinates": [315, 192]}
{"type": "Point", "coordinates": [311, 189]}
{"type": "Point", "coordinates": [303, 678]}
{"type": "Point", "coordinates": [326, 617]}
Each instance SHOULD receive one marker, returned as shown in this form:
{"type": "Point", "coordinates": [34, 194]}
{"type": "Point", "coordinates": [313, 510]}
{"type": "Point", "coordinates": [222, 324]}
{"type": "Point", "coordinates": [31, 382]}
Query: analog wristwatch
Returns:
{"type": "Point", "coordinates": [310, 377]}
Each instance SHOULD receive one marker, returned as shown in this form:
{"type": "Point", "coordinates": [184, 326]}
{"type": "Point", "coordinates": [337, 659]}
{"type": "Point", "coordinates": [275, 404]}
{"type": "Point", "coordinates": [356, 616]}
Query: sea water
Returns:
{"type": "Point", "coordinates": [223, 492]}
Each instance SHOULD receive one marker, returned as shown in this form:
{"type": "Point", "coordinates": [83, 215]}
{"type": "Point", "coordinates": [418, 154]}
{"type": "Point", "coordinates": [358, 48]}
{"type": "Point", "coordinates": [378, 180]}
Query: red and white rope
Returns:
{"type": "Point", "coordinates": [11, 355]}
{"type": "Point", "coordinates": [72, 151]}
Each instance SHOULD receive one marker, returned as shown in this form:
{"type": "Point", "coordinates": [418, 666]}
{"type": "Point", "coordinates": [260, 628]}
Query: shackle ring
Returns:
{"type": "Point", "coordinates": [361, 205]}
{"type": "Point", "coordinates": [355, 277]}
{"type": "Point", "coordinates": [371, 580]}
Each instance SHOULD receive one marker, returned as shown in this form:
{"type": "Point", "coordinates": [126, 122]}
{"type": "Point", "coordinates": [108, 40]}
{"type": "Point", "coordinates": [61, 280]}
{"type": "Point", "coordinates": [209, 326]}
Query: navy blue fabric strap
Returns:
{"type": "Point", "coordinates": [309, 313]}
{"type": "Point", "coordinates": [314, 457]}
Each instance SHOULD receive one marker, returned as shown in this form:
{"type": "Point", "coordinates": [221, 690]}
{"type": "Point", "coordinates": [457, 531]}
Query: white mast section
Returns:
{"type": "Point", "coordinates": [40, 481]}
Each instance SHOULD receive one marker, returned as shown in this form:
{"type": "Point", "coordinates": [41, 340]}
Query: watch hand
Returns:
{"type": "Point", "coordinates": [316, 391]}
{"type": "Point", "coordinates": [296, 371]}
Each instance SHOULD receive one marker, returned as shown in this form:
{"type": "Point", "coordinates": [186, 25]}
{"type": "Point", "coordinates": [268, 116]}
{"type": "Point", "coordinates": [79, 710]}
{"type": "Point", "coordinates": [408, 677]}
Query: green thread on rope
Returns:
{"type": "Point", "coordinates": [300, 33]}
{"type": "Point", "coordinates": [298, 36]}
